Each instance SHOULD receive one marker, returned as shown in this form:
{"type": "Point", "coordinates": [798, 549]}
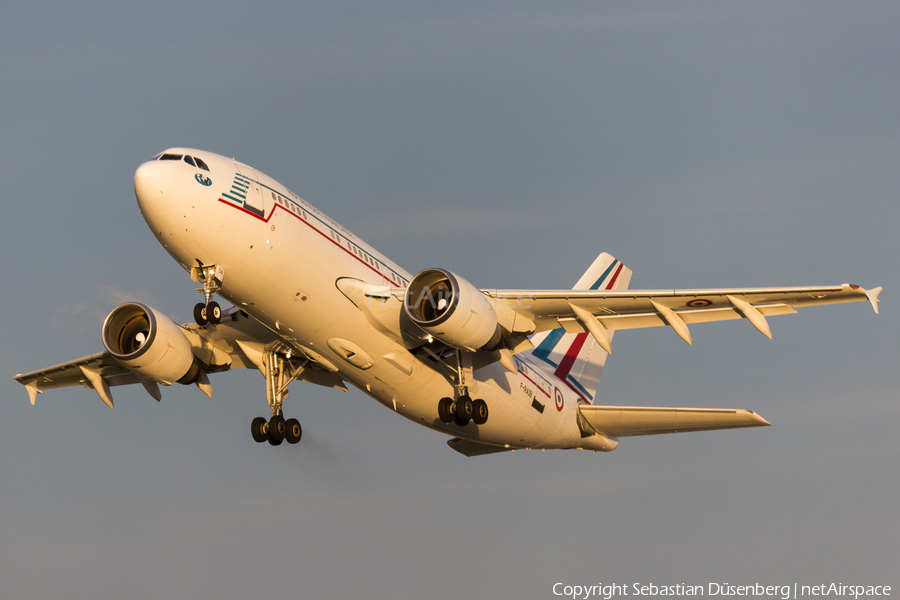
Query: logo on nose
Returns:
{"type": "Point", "coordinates": [203, 180]}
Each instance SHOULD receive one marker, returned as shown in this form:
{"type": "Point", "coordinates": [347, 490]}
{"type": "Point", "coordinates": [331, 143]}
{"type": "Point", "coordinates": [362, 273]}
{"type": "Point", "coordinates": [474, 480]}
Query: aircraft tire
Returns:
{"type": "Point", "coordinates": [259, 429]}
{"type": "Point", "coordinates": [444, 408]}
{"type": "Point", "coordinates": [479, 412]}
{"type": "Point", "coordinates": [293, 431]}
{"type": "Point", "coordinates": [464, 407]}
{"type": "Point", "coordinates": [214, 313]}
{"type": "Point", "coordinates": [200, 314]}
{"type": "Point", "coordinates": [277, 429]}
{"type": "Point", "coordinates": [463, 411]}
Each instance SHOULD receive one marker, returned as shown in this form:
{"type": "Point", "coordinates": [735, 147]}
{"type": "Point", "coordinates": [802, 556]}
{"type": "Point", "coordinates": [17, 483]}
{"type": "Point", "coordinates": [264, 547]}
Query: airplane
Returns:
{"type": "Point", "coordinates": [497, 370]}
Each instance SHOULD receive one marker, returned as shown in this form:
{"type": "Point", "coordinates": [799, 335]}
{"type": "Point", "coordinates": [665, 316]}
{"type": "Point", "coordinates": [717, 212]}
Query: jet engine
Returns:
{"type": "Point", "coordinates": [150, 344]}
{"type": "Point", "coordinates": [452, 310]}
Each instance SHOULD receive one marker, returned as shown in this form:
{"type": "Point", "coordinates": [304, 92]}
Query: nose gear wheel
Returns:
{"type": "Point", "coordinates": [210, 277]}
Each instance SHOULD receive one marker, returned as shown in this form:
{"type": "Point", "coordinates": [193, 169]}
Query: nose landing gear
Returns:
{"type": "Point", "coordinates": [207, 313]}
{"type": "Point", "coordinates": [210, 277]}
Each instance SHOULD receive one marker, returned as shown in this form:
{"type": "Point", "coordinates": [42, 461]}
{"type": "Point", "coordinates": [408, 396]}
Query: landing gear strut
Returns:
{"type": "Point", "coordinates": [210, 278]}
{"type": "Point", "coordinates": [279, 374]}
{"type": "Point", "coordinates": [463, 409]}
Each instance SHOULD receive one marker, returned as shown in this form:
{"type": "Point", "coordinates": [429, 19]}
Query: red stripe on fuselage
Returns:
{"type": "Point", "coordinates": [311, 226]}
{"type": "Point", "coordinates": [536, 384]}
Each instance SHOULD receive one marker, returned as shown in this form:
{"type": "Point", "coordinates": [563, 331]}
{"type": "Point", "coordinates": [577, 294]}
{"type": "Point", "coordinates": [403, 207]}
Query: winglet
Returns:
{"type": "Point", "coordinates": [872, 295]}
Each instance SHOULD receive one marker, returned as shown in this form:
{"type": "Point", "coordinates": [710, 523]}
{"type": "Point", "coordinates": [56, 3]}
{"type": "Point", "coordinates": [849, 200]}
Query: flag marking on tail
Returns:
{"type": "Point", "coordinates": [564, 368]}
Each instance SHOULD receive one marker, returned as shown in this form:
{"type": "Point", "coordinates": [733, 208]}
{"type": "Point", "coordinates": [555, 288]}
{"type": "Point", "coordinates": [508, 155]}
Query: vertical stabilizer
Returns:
{"type": "Point", "coordinates": [577, 359]}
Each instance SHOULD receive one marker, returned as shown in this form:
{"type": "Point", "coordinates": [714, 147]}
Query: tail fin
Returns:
{"type": "Point", "coordinates": [576, 359]}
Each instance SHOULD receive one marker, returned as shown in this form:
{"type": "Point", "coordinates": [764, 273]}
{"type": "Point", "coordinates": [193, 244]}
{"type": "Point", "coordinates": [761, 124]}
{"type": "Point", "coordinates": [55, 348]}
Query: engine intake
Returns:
{"type": "Point", "coordinates": [150, 344]}
{"type": "Point", "coordinates": [451, 309]}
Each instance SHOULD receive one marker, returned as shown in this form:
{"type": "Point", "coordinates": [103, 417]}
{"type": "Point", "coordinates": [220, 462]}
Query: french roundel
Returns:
{"type": "Point", "coordinates": [559, 399]}
{"type": "Point", "coordinates": [699, 303]}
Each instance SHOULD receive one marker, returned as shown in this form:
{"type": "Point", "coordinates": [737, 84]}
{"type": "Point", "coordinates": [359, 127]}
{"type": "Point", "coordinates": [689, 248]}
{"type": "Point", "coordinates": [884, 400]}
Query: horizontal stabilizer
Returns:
{"type": "Point", "coordinates": [624, 421]}
{"type": "Point", "coordinates": [470, 448]}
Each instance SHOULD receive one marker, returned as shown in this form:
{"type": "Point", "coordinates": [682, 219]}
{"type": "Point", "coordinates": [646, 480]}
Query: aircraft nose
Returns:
{"type": "Point", "coordinates": [158, 195]}
{"type": "Point", "coordinates": [147, 183]}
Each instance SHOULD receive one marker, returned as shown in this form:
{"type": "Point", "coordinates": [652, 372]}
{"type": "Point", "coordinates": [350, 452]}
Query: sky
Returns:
{"type": "Point", "coordinates": [704, 144]}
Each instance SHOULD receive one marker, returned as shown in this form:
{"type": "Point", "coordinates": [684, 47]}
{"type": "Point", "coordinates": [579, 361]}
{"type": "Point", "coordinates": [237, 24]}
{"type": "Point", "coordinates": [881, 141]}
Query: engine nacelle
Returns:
{"type": "Point", "coordinates": [150, 344]}
{"type": "Point", "coordinates": [451, 309]}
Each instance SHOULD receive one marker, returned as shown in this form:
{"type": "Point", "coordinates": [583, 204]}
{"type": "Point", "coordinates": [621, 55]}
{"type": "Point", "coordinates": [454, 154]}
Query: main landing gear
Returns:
{"type": "Point", "coordinates": [276, 430]}
{"type": "Point", "coordinates": [210, 277]}
{"type": "Point", "coordinates": [279, 374]}
{"type": "Point", "coordinates": [463, 409]}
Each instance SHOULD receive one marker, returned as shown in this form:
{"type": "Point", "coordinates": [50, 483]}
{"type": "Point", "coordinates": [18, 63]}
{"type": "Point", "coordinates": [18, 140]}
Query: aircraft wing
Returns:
{"type": "Point", "coordinates": [79, 372]}
{"type": "Point", "coordinates": [237, 342]}
{"type": "Point", "coordinates": [600, 311]}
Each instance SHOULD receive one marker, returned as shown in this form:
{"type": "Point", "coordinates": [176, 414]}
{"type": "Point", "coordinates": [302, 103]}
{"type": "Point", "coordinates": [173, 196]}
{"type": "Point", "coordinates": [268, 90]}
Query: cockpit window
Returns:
{"type": "Point", "coordinates": [170, 157]}
{"type": "Point", "coordinates": [201, 164]}
{"type": "Point", "coordinates": [189, 160]}
{"type": "Point", "coordinates": [156, 157]}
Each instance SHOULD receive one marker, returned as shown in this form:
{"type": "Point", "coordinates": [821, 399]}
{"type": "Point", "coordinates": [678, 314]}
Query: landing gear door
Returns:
{"type": "Point", "coordinates": [254, 200]}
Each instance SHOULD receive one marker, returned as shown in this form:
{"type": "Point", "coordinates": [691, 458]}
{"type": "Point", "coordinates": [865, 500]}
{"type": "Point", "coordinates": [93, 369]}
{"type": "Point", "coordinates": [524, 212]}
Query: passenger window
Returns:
{"type": "Point", "coordinates": [201, 164]}
{"type": "Point", "coordinates": [189, 160]}
{"type": "Point", "coordinates": [170, 157]}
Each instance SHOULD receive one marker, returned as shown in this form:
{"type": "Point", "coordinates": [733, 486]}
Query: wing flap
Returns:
{"type": "Point", "coordinates": [625, 421]}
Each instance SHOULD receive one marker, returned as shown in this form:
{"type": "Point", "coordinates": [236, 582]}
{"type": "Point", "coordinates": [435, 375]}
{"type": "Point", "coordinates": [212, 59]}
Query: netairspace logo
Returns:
{"type": "Point", "coordinates": [782, 592]}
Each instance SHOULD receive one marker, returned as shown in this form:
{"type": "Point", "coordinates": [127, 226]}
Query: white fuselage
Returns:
{"type": "Point", "coordinates": [282, 258]}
